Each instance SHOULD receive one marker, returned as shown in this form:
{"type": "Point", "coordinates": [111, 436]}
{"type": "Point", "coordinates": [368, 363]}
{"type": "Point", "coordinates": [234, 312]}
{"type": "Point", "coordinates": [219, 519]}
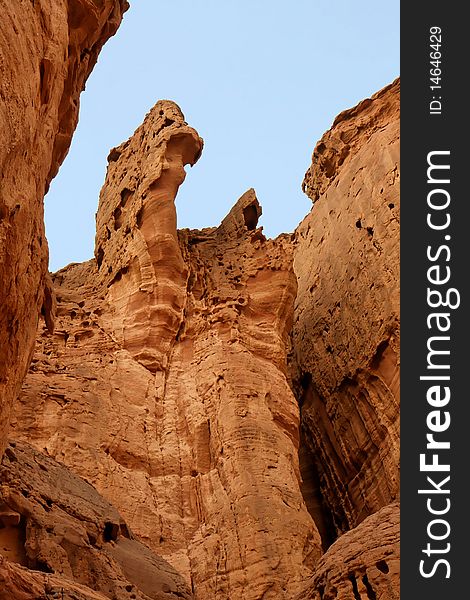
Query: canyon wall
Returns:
{"type": "Point", "coordinates": [215, 414]}
{"type": "Point", "coordinates": [47, 50]}
{"type": "Point", "coordinates": [58, 537]}
{"type": "Point", "coordinates": [165, 382]}
{"type": "Point", "coordinates": [346, 323]}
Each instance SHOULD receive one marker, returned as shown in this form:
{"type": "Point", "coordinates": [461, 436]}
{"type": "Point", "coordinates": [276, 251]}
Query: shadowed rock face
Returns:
{"type": "Point", "coordinates": [47, 50]}
{"type": "Point", "coordinates": [53, 522]}
{"type": "Point", "coordinates": [346, 323]}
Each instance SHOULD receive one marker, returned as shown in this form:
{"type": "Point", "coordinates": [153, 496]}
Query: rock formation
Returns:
{"type": "Point", "coordinates": [234, 398]}
{"type": "Point", "coordinates": [165, 383]}
{"type": "Point", "coordinates": [362, 564]}
{"type": "Point", "coordinates": [346, 325]}
{"type": "Point", "coordinates": [51, 521]}
{"type": "Point", "coordinates": [47, 50]}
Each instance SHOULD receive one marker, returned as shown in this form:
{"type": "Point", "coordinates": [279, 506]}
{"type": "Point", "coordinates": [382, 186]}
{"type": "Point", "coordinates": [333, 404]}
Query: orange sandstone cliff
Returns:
{"type": "Point", "coordinates": [346, 324]}
{"type": "Point", "coordinates": [58, 537]}
{"type": "Point", "coordinates": [215, 415]}
{"type": "Point", "coordinates": [47, 50]}
{"type": "Point", "coordinates": [165, 382]}
{"type": "Point", "coordinates": [345, 359]}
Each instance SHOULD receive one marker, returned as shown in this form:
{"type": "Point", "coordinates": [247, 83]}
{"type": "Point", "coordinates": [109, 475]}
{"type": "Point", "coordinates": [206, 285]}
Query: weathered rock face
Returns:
{"type": "Point", "coordinates": [47, 50]}
{"type": "Point", "coordinates": [165, 382]}
{"type": "Point", "coordinates": [137, 252]}
{"type": "Point", "coordinates": [19, 583]}
{"type": "Point", "coordinates": [362, 564]}
{"type": "Point", "coordinates": [52, 521]}
{"type": "Point", "coordinates": [346, 327]}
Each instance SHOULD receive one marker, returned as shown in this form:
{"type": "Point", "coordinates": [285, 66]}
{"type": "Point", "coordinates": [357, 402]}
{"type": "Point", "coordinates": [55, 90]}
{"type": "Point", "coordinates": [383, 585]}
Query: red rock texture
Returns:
{"type": "Point", "coordinates": [165, 383]}
{"type": "Point", "coordinates": [362, 564]}
{"type": "Point", "coordinates": [173, 378]}
{"type": "Point", "coordinates": [346, 325]}
{"type": "Point", "coordinates": [51, 521]}
{"type": "Point", "coordinates": [47, 50]}
{"type": "Point", "coordinates": [20, 583]}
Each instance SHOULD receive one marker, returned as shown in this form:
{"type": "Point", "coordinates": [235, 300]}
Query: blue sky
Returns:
{"type": "Point", "coordinates": [260, 80]}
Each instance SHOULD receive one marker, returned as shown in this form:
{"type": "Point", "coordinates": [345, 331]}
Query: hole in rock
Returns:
{"type": "Point", "coordinates": [376, 360]}
{"type": "Point", "coordinates": [125, 531]}
{"type": "Point", "coordinates": [126, 193]}
{"type": "Point", "coordinates": [9, 453]}
{"type": "Point", "coordinates": [117, 218]}
{"type": "Point", "coordinates": [110, 533]}
{"type": "Point", "coordinates": [139, 216]}
{"type": "Point", "coordinates": [44, 79]}
{"type": "Point", "coordinates": [91, 538]}
{"type": "Point", "coordinates": [382, 566]}
{"type": "Point", "coordinates": [250, 215]}
{"type": "Point", "coordinates": [12, 536]}
{"type": "Point", "coordinates": [359, 224]}
{"type": "Point", "coordinates": [40, 565]}
{"type": "Point", "coordinates": [119, 274]}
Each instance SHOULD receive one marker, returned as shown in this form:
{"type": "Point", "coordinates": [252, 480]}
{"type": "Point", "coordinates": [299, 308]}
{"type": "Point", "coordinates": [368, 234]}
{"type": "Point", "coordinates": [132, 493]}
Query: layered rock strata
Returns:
{"type": "Point", "coordinates": [165, 383]}
{"type": "Point", "coordinates": [346, 324]}
{"type": "Point", "coordinates": [47, 50]}
{"type": "Point", "coordinates": [57, 533]}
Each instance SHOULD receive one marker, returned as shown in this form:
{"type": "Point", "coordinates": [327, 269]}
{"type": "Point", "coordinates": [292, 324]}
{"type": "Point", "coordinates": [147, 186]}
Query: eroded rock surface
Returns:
{"type": "Point", "coordinates": [362, 564]}
{"type": "Point", "coordinates": [47, 50]}
{"type": "Point", "coordinates": [20, 583]}
{"type": "Point", "coordinates": [53, 522]}
{"type": "Point", "coordinates": [346, 324]}
{"type": "Point", "coordinates": [165, 383]}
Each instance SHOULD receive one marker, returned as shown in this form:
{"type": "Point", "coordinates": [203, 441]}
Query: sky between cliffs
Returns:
{"type": "Point", "coordinates": [260, 80]}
